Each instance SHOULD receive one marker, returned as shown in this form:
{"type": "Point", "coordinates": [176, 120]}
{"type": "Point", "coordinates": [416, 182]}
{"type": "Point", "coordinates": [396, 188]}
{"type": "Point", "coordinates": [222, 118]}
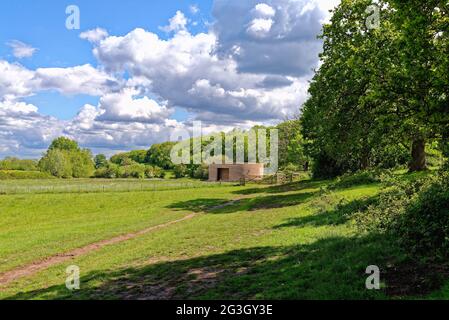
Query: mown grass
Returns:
{"type": "Point", "coordinates": [296, 241]}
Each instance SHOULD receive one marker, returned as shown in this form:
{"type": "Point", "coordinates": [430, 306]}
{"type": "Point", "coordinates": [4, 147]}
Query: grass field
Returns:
{"type": "Point", "coordinates": [296, 241]}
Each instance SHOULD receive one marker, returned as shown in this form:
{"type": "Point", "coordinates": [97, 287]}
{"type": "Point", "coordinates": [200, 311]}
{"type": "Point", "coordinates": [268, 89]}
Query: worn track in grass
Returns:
{"type": "Point", "coordinates": [32, 268]}
{"type": "Point", "coordinates": [37, 266]}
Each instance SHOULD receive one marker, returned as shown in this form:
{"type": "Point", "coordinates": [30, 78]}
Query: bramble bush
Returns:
{"type": "Point", "coordinates": [415, 213]}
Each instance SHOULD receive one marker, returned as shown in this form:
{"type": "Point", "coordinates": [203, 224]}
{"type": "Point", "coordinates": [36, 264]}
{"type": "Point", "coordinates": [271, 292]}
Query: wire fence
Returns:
{"type": "Point", "coordinates": [74, 186]}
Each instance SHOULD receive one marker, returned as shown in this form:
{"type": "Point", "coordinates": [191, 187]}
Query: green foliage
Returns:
{"type": "Point", "coordinates": [63, 143]}
{"type": "Point", "coordinates": [11, 163]}
{"type": "Point", "coordinates": [128, 158]}
{"type": "Point", "coordinates": [64, 159]}
{"type": "Point", "coordinates": [135, 170]}
{"type": "Point", "coordinates": [57, 163]}
{"type": "Point", "coordinates": [415, 213]}
{"type": "Point", "coordinates": [291, 145]}
{"type": "Point", "coordinates": [369, 105]}
{"type": "Point", "coordinates": [100, 161]}
{"type": "Point", "coordinates": [110, 171]}
{"type": "Point", "coordinates": [159, 155]}
{"type": "Point", "coordinates": [180, 171]}
{"type": "Point", "coordinates": [201, 172]}
{"type": "Point", "coordinates": [20, 174]}
{"type": "Point", "coordinates": [138, 156]}
{"type": "Point", "coordinates": [359, 178]}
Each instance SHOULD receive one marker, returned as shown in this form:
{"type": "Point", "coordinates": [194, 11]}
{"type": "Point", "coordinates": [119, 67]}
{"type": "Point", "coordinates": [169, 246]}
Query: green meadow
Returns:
{"type": "Point", "coordinates": [293, 241]}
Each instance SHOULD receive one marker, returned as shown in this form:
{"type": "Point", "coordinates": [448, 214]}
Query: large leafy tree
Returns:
{"type": "Point", "coordinates": [65, 159]}
{"type": "Point", "coordinates": [378, 90]}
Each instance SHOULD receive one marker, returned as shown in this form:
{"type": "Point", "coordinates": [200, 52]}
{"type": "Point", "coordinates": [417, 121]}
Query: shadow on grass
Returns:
{"type": "Point", "coordinates": [332, 268]}
{"type": "Point", "coordinates": [295, 186]}
{"type": "Point", "coordinates": [220, 206]}
{"type": "Point", "coordinates": [340, 215]}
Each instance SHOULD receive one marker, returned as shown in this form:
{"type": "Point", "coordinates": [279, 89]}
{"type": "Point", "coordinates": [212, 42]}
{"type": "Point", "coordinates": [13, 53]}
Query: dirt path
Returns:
{"type": "Point", "coordinates": [32, 268]}
{"type": "Point", "coordinates": [35, 267]}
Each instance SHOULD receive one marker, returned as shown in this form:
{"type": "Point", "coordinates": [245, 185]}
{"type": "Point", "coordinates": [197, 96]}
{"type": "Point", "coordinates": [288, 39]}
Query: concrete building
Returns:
{"type": "Point", "coordinates": [236, 172]}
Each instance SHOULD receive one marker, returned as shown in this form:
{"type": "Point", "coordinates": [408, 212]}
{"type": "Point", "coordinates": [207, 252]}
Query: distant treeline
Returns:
{"type": "Point", "coordinates": [66, 159]}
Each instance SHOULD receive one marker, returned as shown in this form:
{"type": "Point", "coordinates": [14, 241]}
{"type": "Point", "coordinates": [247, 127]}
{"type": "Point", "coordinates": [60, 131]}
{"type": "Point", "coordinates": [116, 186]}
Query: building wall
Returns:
{"type": "Point", "coordinates": [237, 171]}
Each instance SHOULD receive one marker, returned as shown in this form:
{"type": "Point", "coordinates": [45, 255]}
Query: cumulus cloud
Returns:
{"type": "Point", "coordinates": [252, 67]}
{"type": "Point", "coordinates": [186, 72]}
{"type": "Point", "coordinates": [15, 81]}
{"type": "Point", "coordinates": [177, 23]}
{"type": "Point", "coordinates": [83, 79]}
{"type": "Point", "coordinates": [275, 37]}
{"type": "Point", "coordinates": [94, 35]}
{"type": "Point", "coordinates": [23, 131]}
{"type": "Point", "coordinates": [21, 50]}
{"type": "Point", "coordinates": [124, 107]}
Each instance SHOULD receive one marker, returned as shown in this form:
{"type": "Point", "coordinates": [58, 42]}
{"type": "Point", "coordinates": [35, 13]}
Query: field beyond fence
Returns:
{"type": "Point", "coordinates": [43, 186]}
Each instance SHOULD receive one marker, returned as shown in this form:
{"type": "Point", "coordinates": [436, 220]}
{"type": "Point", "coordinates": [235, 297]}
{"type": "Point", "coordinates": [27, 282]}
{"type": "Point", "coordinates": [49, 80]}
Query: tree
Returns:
{"type": "Point", "coordinates": [291, 145]}
{"type": "Point", "coordinates": [159, 155]}
{"type": "Point", "coordinates": [378, 90]}
{"type": "Point", "coordinates": [57, 163]}
{"type": "Point", "coordinates": [64, 159]}
{"type": "Point", "coordinates": [63, 143]}
{"type": "Point", "coordinates": [100, 161]}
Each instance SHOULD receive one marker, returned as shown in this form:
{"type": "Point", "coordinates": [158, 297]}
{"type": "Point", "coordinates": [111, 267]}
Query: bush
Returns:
{"type": "Point", "coordinates": [109, 172]}
{"type": "Point", "coordinates": [359, 178]}
{"type": "Point", "coordinates": [159, 173]}
{"type": "Point", "coordinates": [19, 174]}
{"type": "Point", "coordinates": [135, 170]}
{"type": "Point", "coordinates": [416, 213]}
{"type": "Point", "coordinates": [11, 163]}
{"type": "Point", "coordinates": [180, 171]}
{"type": "Point", "coordinates": [201, 172]}
{"type": "Point", "coordinates": [424, 226]}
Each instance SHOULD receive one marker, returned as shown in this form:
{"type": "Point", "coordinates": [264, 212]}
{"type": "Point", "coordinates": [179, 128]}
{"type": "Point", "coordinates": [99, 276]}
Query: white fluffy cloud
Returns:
{"type": "Point", "coordinates": [124, 107]}
{"type": "Point", "coordinates": [252, 67]}
{"type": "Point", "coordinates": [21, 50]}
{"type": "Point", "coordinates": [94, 35]}
{"type": "Point", "coordinates": [83, 79]}
{"type": "Point", "coordinates": [177, 23]}
{"type": "Point", "coordinates": [15, 81]}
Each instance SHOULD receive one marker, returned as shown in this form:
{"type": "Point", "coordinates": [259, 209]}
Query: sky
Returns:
{"type": "Point", "coordinates": [136, 71]}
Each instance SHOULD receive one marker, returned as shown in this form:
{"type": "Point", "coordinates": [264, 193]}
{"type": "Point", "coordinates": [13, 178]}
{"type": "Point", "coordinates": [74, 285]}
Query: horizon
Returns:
{"type": "Point", "coordinates": [128, 77]}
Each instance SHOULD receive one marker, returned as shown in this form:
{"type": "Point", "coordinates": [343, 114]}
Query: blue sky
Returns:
{"type": "Point", "coordinates": [138, 71]}
{"type": "Point", "coordinates": [41, 24]}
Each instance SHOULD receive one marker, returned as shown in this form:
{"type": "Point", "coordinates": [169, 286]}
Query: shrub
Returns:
{"type": "Point", "coordinates": [416, 213]}
{"type": "Point", "coordinates": [358, 178]}
{"type": "Point", "coordinates": [135, 170]}
{"type": "Point", "coordinates": [425, 224]}
{"type": "Point", "coordinates": [201, 172]}
{"type": "Point", "coordinates": [11, 163]}
{"type": "Point", "coordinates": [180, 171]}
{"type": "Point", "coordinates": [149, 172]}
{"type": "Point", "coordinates": [159, 173]}
{"type": "Point", "coordinates": [109, 172]}
{"type": "Point", "coordinates": [19, 174]}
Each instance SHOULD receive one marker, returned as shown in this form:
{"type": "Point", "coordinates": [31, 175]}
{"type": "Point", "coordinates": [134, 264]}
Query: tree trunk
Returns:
{"type": "Point", "coordinates": [418, 162]}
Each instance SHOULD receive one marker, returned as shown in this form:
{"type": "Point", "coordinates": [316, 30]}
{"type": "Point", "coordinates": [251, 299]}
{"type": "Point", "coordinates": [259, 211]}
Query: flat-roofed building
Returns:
{"type": "Point", "coordinates": [236, 172]}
